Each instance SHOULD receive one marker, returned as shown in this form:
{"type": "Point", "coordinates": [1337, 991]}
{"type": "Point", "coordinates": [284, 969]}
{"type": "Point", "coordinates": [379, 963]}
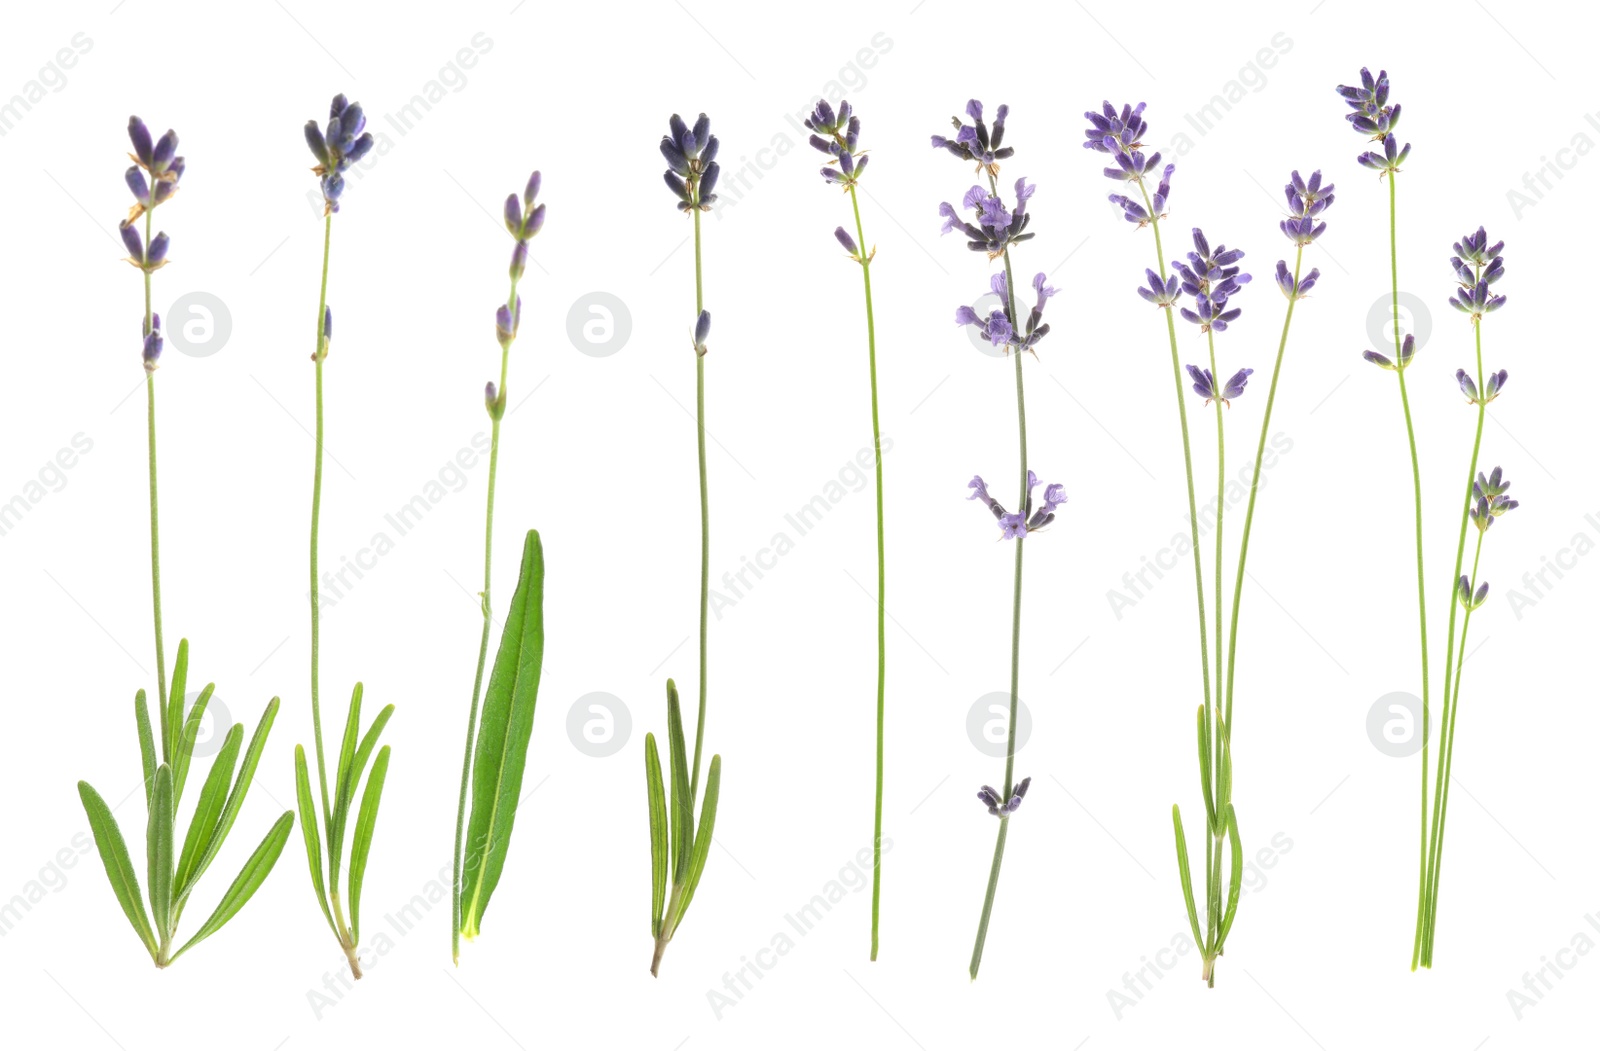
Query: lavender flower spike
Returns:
{"type": "Point", "coordinates": [692, 168]}
{"type": "Point", "coordinates": [978, 142]}
{"type": "Point", "coordinates": [1206, 386]}
{"type": "Point", "coordinates": [341, 143]}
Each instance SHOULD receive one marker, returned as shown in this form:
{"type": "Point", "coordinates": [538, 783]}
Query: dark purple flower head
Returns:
{"type": "Point", "coordinates": [1120, 134]}
{"type": "Point", "coordinates": [838, 135]}
{"type": "Point", "coordinates": [692, 167]}
{"type": "Point", "coordinates": [338, 145]}
{"type": "Point", "coordinates": [1286, 283]}
{"type": "Point", "coordinates": [1307, 200]}
{"type": "Point", "coordinates": [1371, 114]}
{"type": "Point", "coordinates": [1004, 808]}
{"type": "Point", "coordinates": [158, 160]}
{"type": "Point", "coordinates": [978, 142]}
{"type": "Point", "coordinates": [1205, 384]}
{"type": "Point", "coordinates": [1029, 519]}
{"type": "Point", "coordinates": [993, 227]}
{"type": "Point", "coordinates": [1211, 276]}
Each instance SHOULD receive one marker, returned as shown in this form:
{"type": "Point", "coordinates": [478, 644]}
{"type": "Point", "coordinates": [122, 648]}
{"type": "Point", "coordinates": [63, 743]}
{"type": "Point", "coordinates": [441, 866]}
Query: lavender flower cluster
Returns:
{"type": "Point", "coordinates": [1018, 525]}
{"type": "Point", "coordinates": [1119, 133]}
{"type": "Point", "coordinates": [1374, 117]}
{"type": "Point", "coordinates": [152, 179]}
{"type": "Point", "coordinates": [692, 167]}
{"type": "Point", "coordinates": [340, 144]}
{"type": "Point", "coordinates": [1005, 808]}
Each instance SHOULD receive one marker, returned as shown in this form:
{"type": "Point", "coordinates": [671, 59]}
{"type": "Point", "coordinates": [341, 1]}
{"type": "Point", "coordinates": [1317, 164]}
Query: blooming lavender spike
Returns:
{"type": "Point", "coordinates": [691, 166]}
{"type": "Point", "coordinates": [340, 144]}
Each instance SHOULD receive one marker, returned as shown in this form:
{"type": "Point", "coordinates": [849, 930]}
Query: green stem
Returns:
{"type": "Point", "coordinates": [483, 641]}
{"type": "Point", "coordinates": [1255, 482]}
{"type": "Point", "coordinates": [705, 508]}
{"type": "Point", "coordinates": [877, 458]}
{"type": "Point", "coordinates": [316, 518]}
{"type": "Point", "coordinates": [1447, 723]}
{"type": "Point", "coordinates": [1446, 762]}
{"type": "Point", "coordinates": [1216, 605]}
{"type": "Point", "coordinates": [155, 517]}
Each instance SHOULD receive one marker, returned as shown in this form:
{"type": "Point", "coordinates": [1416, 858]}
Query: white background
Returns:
{"type": "Point", "coordinates": [600, 458]}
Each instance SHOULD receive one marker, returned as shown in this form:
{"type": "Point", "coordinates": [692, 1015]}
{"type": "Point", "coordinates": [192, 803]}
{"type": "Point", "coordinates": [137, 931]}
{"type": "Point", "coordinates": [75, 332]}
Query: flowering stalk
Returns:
{"type": "Point", "coordinates": [174, 867]}
{"type": "Point", "coordinates": [691, 176]}
{"type": "Point", "coordinates": [336, 148]}
{"type": "Point", "coordinates": [508, 715]}
{"type": "Point", "coordinates": [837, 134]}
{"type": "Point", "coordinates": [992, 229]}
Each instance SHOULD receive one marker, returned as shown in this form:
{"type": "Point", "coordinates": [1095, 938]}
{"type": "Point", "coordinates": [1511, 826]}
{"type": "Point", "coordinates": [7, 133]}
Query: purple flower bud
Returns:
{"type": "Point", "coordinates": [506, 323]}
{"type": "Point", "coordinates": [519, 259]}
{"type": "Point", "coordinates": [1378, 359]}
{"type": "Point", "coordinates": [327, 324]}
{"type": "Point", "coordinates": [532, 189]}
{"type": "Point", "coordinates": [513, 215]}
{"type": "Point", "coordinates": [158, 250]}
{"type": "Point", "coordinates": [165, 149]}
{"type": "Point", "coordinates": [1468, 388]}
{"type": "Point", "coordinates": [137, 184]}
{"type": "Point", "coordinates": [845, 239]}
{"type": "Point", "coordinates": [132, 241]}
{"type": "Point", "coordinates": [140, 137]}
{"type": "Point", "coordinates": [702, 329]}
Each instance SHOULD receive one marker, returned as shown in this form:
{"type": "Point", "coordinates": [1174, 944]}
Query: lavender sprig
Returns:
{"type": "Point", "coordinates": [837, 134]}
{"type": "Point", "coordinates": [342, 142]}
{"type": "Point", "coordinates": [994, 227]}
{"type": "Point", "coordinates": [174, 867]}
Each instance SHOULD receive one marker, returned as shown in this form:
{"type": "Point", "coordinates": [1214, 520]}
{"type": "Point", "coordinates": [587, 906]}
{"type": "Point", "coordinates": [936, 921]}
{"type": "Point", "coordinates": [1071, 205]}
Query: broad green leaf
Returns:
{"type": "Point", "coordinates": [241, 785]}
{"type": "Point", "coordinates": [1203, 731]}
{"type": "Point", "coordinates": [702, 838]}
{"type": "Point", "coordinates": [250, 877]}
{"type": "Point", "coordinates": [187, 736]}
{"type": "Point", "coordinates": [682, 801]}
{"type": "Point", "coordinates": [503, 735]}
{"type": "Point", "coordinates": [213, 796]}
{"type": "Point", "coordinates": [119, 868]}
{"type": "Point", "coordinates": [158, 851]}
{"type": "Point", "coordinates": [658, 833]}
{"type": "Point", "coordinates": [361, 844]}
{"type": "Point", "coordinates": [1183, 874]}
{"type": "Point", "coordinates": [1235, 878]}
{"type": "Point", "coordinates": [308, 829]}
{"type": "Point", "coordinates": [172, 704]}
{"type": "Point", "coordinates": [147, 745]}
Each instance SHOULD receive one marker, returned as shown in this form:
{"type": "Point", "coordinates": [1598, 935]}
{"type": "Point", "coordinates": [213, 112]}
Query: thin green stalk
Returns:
{"type": "Point", "coordinates": [877, 463]}
{"type": "Point", "coordinates": [1446, 761]}
{"type": "Point", "coordinates": [155, 516]}
{"type": "Point", "coordinates": [1016, 630]}
{"type": "Point", "coordinates": [1255, 482]}
{"type": "Point", "coordinates": [316, 517]}
{"type": "Point", "coordinates": [705, 511]}
{"type": "Point", "coordinates": [483, 645]}
{"type": "Point", "coordinates": [1216, 605]}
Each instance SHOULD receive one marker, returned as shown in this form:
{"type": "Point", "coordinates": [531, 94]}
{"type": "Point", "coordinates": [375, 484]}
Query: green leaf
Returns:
{"type": "Point", "coordinates": [186, 739]}
{"type": "Point", "coordinates": [173, 703]}
{"type": "Point", "coordinates": [1235, 878]}
{"type": "Point", "coordinates": [347, 754]}
{"type": "Point", "coordinates": [361, 846]}
{"type": "Point", "coordinates": [352, 776]}
{"type": "Point", "coordinates": [503, 735]}
{"type": "Point", "coordinates": [158, 851]}
{"type": "Point", "coordinates": [1183, 874]}
{"type": "Point", "coordinates": [308, 829]}
{"type": "Point", "coordinates": [658, 833]}
{"type": "Point", "coordinates": [147, 745]}
{"type": "Point", "coordinates": [682, 801]}
{"type": "Point", "coordinates": [1204, 733]}
{"type": "Point", "coordinates": [250, 877]}
{"type": "Point", "coordinates": [702, 838]}
{"type": "Point", "coordinates": [207, 812]}
{"type": "Point", "coordinates": [119, 869]}
{"type": "Point", "coordinates": [241, 785]}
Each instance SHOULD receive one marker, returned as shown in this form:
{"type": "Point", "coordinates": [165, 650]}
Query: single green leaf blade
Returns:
{"type": "Point", "coordinates": [503, 734]}
{"type": "Point", "coordinates": [207, 812]}
{"type": "Point", "coordinates": [119, 867]}
{"type": "Point", "coordinates": [361, 845]}
{"type": "Point", "coordinates": [308, 831]}
{"type": "Point", "coordinates": [658, 833]}
{"type": "Point", "coordinates": [682, 801]}
{"type": "Point", "coordinates": [1183, 875]}
{"type": "Point", "coordinates": [1203, 731]}
{"type": "Point", "coordinates": [342, 788]}
{"type": "Point", "coordinates": [147, 744]}
{"type": "Point", "coordinates": [358, 766]}
{"type": "Point", "coordinates": [187, 737]}
{"type": "Point", "coordinates": [702, 839]}
{"type": "Point", "coordinates": [250, 878]}
{"type": "Point", "coordinates": [241, 785]}
{"type": "Point", "coordinates": [158, 851]}
{"type": "Point", "coordinates": [172, 720]}
{"type": "Point", "coordinates": [1235, 878]}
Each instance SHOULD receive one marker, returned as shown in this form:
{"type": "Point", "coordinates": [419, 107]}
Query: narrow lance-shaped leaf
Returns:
{"type": "Point", "coordinates": [1235, 878]}
{"type": "Point", "coordinates": [702, 839]}
{"type": "Point", "coordinates": [172, 704]}
{"type": "Point", "coordinates": [361, 845]}
{"type": "Point", "coordinates": [308, 830]}
{"type": "Point", "coordinates": [207, 812]}
{"type": "Point", "coordinates": [249, 879]}
{"type": "Point", "coordinates": [158, 851]}
{"type": "Point", "coordinates": [503, 735]}
{"type": "Point", "coordinates": [188, 734]}
{"type": "Point", "coordinates": [658, 833]}
{"type": "Point", "coordinates": [1203, 731]}
{"type": "Point", "coordinates": [358, 765]}
{"type": "Point", "coordinates": [241, 784]}
{"type": "Point", "coordinates": [147, 745]}
{"type": "Point", "coordinates": [682, 800]}
{"type": "Point", "coordinates": [347, 755]}
{"type": "Point", "coordinates": [1183, 874]}
{"type": "Point", "coordinates": [119, 868]}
